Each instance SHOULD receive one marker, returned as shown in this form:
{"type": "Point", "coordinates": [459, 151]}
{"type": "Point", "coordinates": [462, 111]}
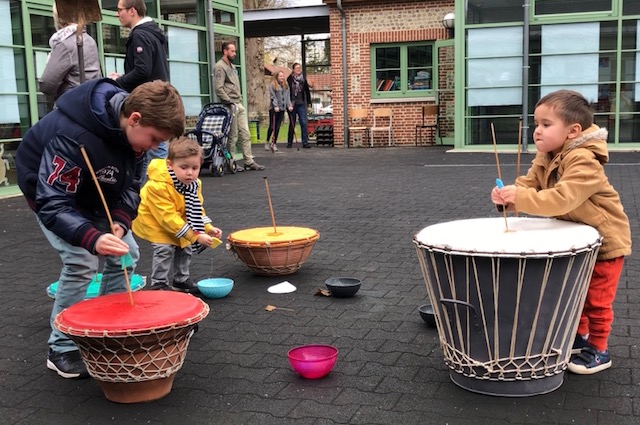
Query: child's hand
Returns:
{"type": "Point", "coordinates": [495, 196]}
{"type": "Point", "coordinates": [215, 232]}
{"type": "Point", "coordinates": [508, 194]}
{"type": "Point", "coordinates": [109, 244]}
{"type": "Point", "coordinates": [204, 239]}
{"type": "Point", "coordinates": [118, 230]}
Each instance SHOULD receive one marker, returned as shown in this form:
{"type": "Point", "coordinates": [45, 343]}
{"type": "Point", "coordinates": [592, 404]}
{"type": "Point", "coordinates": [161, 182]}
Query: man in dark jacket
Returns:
{"type": "Point", "coordinates": [114, 129]}
{"type": "Point", "coordinates": [146, 58]}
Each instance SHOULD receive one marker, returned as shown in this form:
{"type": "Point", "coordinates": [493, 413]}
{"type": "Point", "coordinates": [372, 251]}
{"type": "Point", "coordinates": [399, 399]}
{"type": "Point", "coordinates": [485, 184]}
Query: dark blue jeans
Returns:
{"type": "Point", "coordinates": [301, 112]}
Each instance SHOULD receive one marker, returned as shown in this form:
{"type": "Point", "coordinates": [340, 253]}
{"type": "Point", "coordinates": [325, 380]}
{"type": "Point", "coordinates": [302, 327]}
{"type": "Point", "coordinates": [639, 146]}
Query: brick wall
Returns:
{"type": "Point", "coordinates": [373, 22]}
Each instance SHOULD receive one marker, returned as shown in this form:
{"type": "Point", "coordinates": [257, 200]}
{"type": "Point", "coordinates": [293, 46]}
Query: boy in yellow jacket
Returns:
{"type": "Point", "coordinates": [171, 215]}
{"type": "Point", "coordinates": [567, 181]}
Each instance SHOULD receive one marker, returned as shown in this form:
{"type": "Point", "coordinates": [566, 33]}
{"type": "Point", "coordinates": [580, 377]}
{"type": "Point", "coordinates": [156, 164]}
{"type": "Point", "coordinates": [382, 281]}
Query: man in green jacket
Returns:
{"type": "Point", "coordinates": [227, 87]}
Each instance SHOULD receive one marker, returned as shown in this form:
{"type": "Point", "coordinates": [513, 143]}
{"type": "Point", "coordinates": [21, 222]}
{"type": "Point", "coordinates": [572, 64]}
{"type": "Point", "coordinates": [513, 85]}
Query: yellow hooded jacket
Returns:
{"type": "Point", "coordinates": [573, 186]}
{"type": "Point", "coordinates": [162, 210]}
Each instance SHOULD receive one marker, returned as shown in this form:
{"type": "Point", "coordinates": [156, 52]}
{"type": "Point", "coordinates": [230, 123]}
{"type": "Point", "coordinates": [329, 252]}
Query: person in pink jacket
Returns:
{"type": "Point", "coordinates": [567, 181]}
{"type": "Point", "coordinates": [171, 215]}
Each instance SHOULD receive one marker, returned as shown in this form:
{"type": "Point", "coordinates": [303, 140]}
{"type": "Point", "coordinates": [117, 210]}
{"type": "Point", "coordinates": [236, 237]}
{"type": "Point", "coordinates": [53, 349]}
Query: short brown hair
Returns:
{"type": "Point", "coordinates": [226, 44]}
{"type": "Point", "coordinates": [138, 5]}
{"type": "Point", "coordinates": [184, 147]}
{"type": "Point", "coordinates": [571, 107]}
{"type": "Point", "coordinates": [159, 105]}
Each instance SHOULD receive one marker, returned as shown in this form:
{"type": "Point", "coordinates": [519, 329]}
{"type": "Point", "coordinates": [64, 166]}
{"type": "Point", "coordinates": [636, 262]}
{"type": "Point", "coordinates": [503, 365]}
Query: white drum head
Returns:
{"type": "Point", "coordinates": [526, 236]}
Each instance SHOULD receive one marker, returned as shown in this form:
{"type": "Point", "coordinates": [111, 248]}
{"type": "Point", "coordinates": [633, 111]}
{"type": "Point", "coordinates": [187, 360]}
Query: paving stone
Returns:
{"type": "Point", "coordinates": [368, 204]}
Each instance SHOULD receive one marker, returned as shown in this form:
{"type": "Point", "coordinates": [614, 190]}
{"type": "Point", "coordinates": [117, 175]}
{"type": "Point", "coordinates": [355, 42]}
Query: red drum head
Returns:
{"type": "Point", "coordinates": [113, 315]}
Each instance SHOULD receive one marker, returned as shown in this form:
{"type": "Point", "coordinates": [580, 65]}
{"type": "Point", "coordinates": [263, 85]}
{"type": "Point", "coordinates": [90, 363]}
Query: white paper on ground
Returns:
{"type": "Point", "coordinates": [282, 288]}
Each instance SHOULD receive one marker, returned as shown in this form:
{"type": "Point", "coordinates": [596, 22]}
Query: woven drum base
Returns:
{"type": "Point", "coordinates": [274, 261]}
{"type": "Point", "coordinates": [521, 388]}
{"type": "Point", "coordinates": [273, 254]}
{"type": "Point", "coordinates": [137, 392]}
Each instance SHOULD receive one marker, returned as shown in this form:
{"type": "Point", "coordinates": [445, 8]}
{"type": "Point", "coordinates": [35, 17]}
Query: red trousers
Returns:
{"type": "Point", "coordinates": [597, 314]}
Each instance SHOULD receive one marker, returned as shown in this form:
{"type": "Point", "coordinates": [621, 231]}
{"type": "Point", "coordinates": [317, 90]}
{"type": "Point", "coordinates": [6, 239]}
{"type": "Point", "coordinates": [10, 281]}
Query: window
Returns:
{"type": "Point", "coordinates": [113, 5]}
{"type": "Point", "coordinates": [185, 11]}
{"type": "Point", "coordinates": [224, 17]}
{"type": "Point", "coordinates": [402, 70]}
{"type": "Point", "coordinates": [494, 66]}
{"type": "Point", "coordinates": [552, 7]}
{"type": "Point", "coordinates": [489, 12]}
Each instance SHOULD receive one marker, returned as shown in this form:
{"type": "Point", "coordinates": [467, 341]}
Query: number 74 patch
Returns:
{"type": "Point", "coordinates": [68, 179]}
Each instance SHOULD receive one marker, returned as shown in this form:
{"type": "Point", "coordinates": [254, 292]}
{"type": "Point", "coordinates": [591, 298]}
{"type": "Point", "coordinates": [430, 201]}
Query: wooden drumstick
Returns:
{"type": "Point", "coordinates": [499, 181]}
{"type": "Point", "coordinates": [106, 209]}
{"type": "Point", "coordinates": [273, 217]}
{"type": "Point", "coordinates": [519, 146]}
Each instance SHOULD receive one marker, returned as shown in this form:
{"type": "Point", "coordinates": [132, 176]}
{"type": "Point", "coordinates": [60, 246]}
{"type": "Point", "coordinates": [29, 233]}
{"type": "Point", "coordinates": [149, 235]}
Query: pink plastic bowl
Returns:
{"type": "Point", "coordinates": [313, 361]}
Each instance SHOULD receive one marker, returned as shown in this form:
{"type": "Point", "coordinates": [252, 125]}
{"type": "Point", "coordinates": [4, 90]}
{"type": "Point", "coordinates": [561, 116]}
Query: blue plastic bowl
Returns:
{"type": "Point", "coordinates": [218, 287]}
{"type": "Point", "coordinates": [137, 282]}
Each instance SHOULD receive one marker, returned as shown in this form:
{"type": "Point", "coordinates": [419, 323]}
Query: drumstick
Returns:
{"type": "Point", "coordinates": [499, 181]}
{"type": "Point", "coordinates": [519, 145]}
{"type": "Point", "coordinates": [518, 156]}
{"type": "Point", "coordinates": [273, 217]}
{"type": "Point", "coordinates": [106, 209]}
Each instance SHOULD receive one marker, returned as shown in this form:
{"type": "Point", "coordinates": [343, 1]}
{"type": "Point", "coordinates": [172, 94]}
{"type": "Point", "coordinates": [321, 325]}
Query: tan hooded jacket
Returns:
{"type": "Point", "coordinates": [573, 186]}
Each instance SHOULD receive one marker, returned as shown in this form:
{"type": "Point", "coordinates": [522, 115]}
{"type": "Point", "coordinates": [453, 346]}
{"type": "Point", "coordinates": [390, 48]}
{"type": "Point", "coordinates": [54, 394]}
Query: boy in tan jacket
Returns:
{"type": "Point", "coordinates": [567, 181]}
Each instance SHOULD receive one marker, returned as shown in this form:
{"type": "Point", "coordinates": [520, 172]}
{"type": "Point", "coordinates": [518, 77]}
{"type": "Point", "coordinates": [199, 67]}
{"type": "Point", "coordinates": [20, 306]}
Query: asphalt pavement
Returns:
{"type": "Point", "coordinates": [367, 205]}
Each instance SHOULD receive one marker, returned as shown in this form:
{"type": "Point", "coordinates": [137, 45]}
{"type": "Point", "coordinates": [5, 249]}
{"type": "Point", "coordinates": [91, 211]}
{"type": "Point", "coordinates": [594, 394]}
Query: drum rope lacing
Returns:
{"type": "Point", "coordinates": [128, 356]}
{"type": "Point", "coordinates": [496, 364]}
{"type": "Point", "coordinates": [274, 258]}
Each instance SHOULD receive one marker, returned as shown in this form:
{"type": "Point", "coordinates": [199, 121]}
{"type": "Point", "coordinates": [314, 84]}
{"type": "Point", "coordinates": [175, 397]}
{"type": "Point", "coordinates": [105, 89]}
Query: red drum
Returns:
{"type": "Point", "coordinates": [133, 351]}
{"type": "Point", "coordinates": [507, 304]}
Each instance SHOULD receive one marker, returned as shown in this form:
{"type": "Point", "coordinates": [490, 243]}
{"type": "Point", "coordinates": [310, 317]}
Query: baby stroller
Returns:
{"type": "Point", "coordinates": [212, 132]}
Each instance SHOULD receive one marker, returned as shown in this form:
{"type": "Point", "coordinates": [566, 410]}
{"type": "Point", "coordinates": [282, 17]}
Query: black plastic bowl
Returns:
{"type": "Point", "coordinates": [343, 287]}
{"type": "Point", "coordinates": [426, 312]}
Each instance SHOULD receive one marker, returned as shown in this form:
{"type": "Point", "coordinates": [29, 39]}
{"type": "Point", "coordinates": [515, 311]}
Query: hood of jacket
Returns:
{"type": "Point", "coordinates": [158, 171]}
{"type": "Point", "coordinates": [594, 139]}
{"type": "Point", "coordinates": [150, 28]}
{"type": "Point", "coordinates": [97, 110]}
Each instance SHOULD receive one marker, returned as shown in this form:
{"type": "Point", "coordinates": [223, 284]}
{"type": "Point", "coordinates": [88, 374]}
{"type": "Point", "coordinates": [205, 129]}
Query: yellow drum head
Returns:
{"type": "Point", "coordinates": [266, 235]}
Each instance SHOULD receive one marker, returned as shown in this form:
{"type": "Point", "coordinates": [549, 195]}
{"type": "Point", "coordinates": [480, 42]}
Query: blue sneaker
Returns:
{"type": "Point", "coordinates": [578, 344]}
{"type": "Point", "coordinates": [590, 361]}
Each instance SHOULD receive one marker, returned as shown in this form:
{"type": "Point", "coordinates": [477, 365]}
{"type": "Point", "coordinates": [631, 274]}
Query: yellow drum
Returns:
{"type": "Point", "coordinates": [273, 253]}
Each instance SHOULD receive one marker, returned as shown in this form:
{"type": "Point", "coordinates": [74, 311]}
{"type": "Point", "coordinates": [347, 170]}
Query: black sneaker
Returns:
{"type": "Point", "coordinates": [68, 365]}
{"type": "Point", "coordinates": [306, 146]}
{"type": "Point", "coordinates": [159, 287]}
{"type": "Point", "coordinates": [188, 286]}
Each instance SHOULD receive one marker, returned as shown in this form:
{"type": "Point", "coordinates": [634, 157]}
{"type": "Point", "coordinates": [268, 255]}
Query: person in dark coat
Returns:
{"type": "Point", "coordinates": [146, 58]}
{"type": "Point", "coordinates": [300, 100]}
{"type": "Point", "coordinates": [114, 129]}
